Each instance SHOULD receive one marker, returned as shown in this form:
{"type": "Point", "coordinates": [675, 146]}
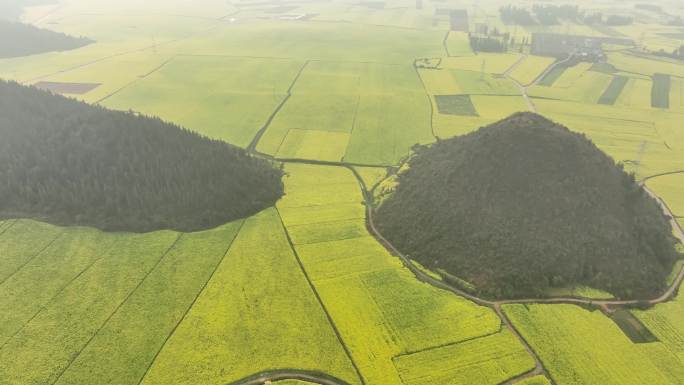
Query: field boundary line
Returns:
{"type": "Point", "coordinates": [429, 97]}
{"type": "Point", "coordinates": [257, 137]}
{"type": "Point", "coordinates": [192, 304]}
{"type": "Point", "coordinates": [59, 292]}
{"type": "Point", "coordinates": [319, 299]}
{"type": "Point", "coordinates": [445, 43]}
{"type": "Point", "coordinates": [136, 80]}
{"type": "Point", "coordinates": [50, 243]}
{"type": "Point", "coordinates": [122, 53]}
{"type": "Point", "coordinates": [116, 310]}
{"type": "Point", "coordinates": [353, 126]}
{"type": "Point", "coordinates": [645, 179]}
{"type": "Point", "coordinates": [14, 222]}
{"type": "Point", "coordinates": [470, 339]}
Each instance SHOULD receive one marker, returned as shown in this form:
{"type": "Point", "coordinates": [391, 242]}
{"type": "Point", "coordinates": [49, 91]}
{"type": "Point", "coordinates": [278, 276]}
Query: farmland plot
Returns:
{"type": "Point", "coordinates": [628, 135]}
{"type": "Point", "coordinates": [475, 83]}
{"type": "Point", "coordinates": [124, 348]}
{"type": "Point", "coordinates": [489, 109]}
{"type": "Point", "coordinates": [458, 44]}
{"type": "Point", "coordinates": [552, 76]}
{"type": "Point", "coordinates": [660, 93]}
{"type": "Point", "coordinates": [362, 113]}
{"type": "Point", "coordinates": [379, 307]}
{"type": "Point", "coordinates": [670, 188]}
{"type": "Point", "coordinates": [46, 272]}
{"type": "Point", "coordinates": [316, 41]}
{"type": "Point", "coordinates": [586, 87]}
{"type": "Point", "coordinates": [677, 94]}
{"type": "Point", "coordinates": [564, 337]}
{"type": "Point", "coordinates": [20, 241]}
{"type": "Point", "coordinates": [107, 76]}
{"type": "Point", "coordinates": [637, 93]}
{"type": "Point", "coordinates": [492, 63]}
{"type": "Point", "coordinates": [486, 360]}
{"type": "Point", "coordinates": [665, 321]}
{"type": "Point", "coordinates": [242, 322]}
{"type": "Point", "coordinates": [531, 68]}
{"type": "Point", "coordinates": [223, 98]}
{"type": "Point", "coordinates": [613, 91]}
{"type": "Point", "coordinates": [647, 66]}
{"type": "Point", "coordinates": [371, 175]}
{"type": "Point", "coordinates": [43, 347]}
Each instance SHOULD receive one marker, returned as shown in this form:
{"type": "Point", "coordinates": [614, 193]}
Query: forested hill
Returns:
{"type": "Point", "coordinates": [18, 39]}
{"type": "Point", "coordinates": [70, 163]}
{"type": "Point", "coordinates": [525, 204]}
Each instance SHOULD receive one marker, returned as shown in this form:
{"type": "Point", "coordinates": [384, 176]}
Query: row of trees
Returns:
{"type": "Point", "coordinates": [70, 163]}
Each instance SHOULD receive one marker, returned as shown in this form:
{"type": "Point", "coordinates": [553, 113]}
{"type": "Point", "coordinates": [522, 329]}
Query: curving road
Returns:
{"type": "Point", "coordinates": [290, 374]}
{"type": "Point", "coordinates": [523, 87]}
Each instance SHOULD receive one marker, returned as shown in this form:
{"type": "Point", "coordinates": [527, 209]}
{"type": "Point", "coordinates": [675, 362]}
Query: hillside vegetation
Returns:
{"type": "Point", "coordinates": [69, 163]}
{"type": "Point", "coordinates": [525, 204]}
{"type": "Point", "coordinates": [18, 39]}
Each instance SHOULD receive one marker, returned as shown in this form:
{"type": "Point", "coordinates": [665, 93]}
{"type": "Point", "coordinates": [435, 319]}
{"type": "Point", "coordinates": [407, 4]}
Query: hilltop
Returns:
{"type": "Point", "coordinates": [69, 163]}
{"type": "Point", "coordinates": [526, 204]}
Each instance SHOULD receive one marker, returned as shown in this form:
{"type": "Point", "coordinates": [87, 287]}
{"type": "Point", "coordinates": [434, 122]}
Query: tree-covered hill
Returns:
{"type": "Point", "coordinates": [523, 205]}
{"type": "Point", "coordinates": [18, 39]}
{"type": "Point", "coordinates": [70, 163]}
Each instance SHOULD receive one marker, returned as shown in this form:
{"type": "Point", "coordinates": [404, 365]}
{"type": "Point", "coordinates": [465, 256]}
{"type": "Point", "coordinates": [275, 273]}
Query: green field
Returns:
{"type": "Point", "coordinates": [455, 105]}
{"type": "Point", "coordinates": [613, 91]}
{"type": "Point", "coordinates": [230, 331]}
{"type": "Point", "coordinates": [304, 285]}
{"type": "Point", "coordinates": [238, 94]}
{"type": "Point", "coordinates": [660, 93]}
{"type": "Point", "coordinates": [379, 307]}
{"type": "Point", "coordinates": [362, 113]}
{"type": "Point", "coordinates": [565, 338]}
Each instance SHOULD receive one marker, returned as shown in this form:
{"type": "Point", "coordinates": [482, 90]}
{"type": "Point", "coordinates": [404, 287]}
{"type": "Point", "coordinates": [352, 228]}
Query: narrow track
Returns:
{"type": "Point", "coordinates": [523, 87]}
{"type": "Point", "coordinates": [290, 374]}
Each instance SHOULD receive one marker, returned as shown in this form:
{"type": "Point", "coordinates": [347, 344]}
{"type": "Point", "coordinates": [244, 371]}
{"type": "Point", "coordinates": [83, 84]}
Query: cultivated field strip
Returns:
{"type": "Point", "coordinates": [45, 346]}
{"type": "Point", "coordinates": [22, 240]}
{"type": "Point", "coordinates": [255, 292]}
{"type": "Point", "coordinates": [385, 311]}
{"type": "Point", "coordinates": [361, 112]}
{"type": "Point", "coordinates": [41, 278]}
{"type": "Point", "coordinates": [239, 95]}
{"type": "Point", "coordinates": [490, 359]}
{"type": "Point", "coordinates": [127, 344]}
{"type": "Point", "coordinates": [565, 338]}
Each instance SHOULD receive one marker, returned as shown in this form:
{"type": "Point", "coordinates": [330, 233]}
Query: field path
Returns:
{"type": "Point", "coordinates": [523, 87]}
{"type": "Point", "coordinates": [290, 374]}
